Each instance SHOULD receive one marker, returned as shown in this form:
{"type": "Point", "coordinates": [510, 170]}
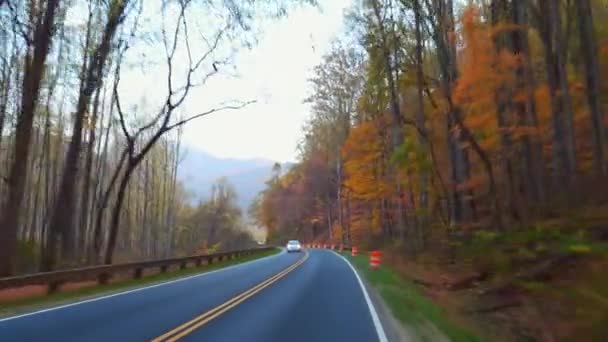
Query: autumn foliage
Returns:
{"type": "Point", "coordinates": [490, 150]}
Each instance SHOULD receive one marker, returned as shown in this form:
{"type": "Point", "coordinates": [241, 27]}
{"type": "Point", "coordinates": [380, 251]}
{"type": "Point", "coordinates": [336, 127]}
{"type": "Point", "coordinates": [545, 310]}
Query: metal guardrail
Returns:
{"type": "Point", "coordinates": [102, 274]}
{"type": "Point", "coordinates": [335, 247]}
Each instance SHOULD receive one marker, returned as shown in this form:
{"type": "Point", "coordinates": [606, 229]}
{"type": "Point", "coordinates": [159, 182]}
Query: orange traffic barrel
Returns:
{"type": "Point", "coordinates": [354, 251]}
{"type": "Point", "coordinates": [375, 259]}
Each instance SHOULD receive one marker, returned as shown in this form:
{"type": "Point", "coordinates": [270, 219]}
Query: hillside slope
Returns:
{"type": "Point", "coordinates": [199, 170]}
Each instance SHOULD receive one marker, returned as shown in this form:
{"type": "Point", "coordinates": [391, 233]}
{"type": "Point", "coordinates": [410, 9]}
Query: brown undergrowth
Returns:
{"type": "Point", "coordinates": [544, 283]}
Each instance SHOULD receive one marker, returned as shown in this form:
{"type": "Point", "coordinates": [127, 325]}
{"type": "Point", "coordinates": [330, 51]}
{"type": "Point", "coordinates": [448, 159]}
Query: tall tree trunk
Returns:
{"type": "Point", "coordinates": [7, 78]}
{"type": "Point", "coordinates": [589, 51]}
{"type": "Point", "coordinates": [102, 165]}
{"type": "Point", "coordinates": [116, 213]}
{"type": "Point", "coordinates": [339, 193]}
{"type": "Point", "coordinates": [34, 71]}
{"type": "Point", "coordinates": [502, 41]}
{"type": "Point", "coordinates": [533, 161]}
{"type": "Point", "coordinates": [397, 124]}
{"type": "Point", "coordinates": [561, 106]}
{"type": "Point", "coordinates": [86, 177]}
{"type": "Point", "coordinates": [98, 233]}
{"type": "Point", "coordinates": [146, 224]}
{"type": "Point", "coordinates": [52, 175]}
{"type": "Point", "coordinates": [460, 209]}
{"type": "Point", "coordinates": [171, 217]}
{"type": "Point", "coordinates": [34, 189]}
{"type": "Point", "coordinates": [63, 217]}
{"type": "Point", "coordinates": [421, 116]}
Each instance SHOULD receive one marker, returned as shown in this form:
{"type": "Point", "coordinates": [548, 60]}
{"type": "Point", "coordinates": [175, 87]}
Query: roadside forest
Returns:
{"type": "Point", "coordinates": [94, 96]}
{"type": "Point", "coordinates": [468, 140]}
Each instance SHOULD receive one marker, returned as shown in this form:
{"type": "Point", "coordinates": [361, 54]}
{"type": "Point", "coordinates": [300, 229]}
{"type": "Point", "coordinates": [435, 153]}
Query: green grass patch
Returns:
{"type": "Point", "coordinates": [38, 302]}
{"type": "Point", "coordinates": [408, 304]}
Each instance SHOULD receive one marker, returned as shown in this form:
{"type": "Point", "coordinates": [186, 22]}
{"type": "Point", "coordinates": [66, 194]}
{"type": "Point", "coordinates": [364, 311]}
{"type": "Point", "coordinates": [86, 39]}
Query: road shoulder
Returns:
{"type": "Point", "coordinates": [395, 329]}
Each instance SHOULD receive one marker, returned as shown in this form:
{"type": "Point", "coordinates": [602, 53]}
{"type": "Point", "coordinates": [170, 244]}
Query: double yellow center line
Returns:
{"type": "Point", "coordinates": [203, 319]}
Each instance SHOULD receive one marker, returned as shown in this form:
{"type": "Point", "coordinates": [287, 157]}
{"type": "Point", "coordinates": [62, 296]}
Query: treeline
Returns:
{"type": "Point", "coordinates": [88, 174]}
{"type": "Point", "coordinates": [445, 116]}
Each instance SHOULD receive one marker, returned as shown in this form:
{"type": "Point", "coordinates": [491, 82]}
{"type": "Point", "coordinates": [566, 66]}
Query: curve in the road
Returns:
{"type": "Point", "coordinates": [319, 298]}
{"type": "Point", "coordinates": [322, 300]}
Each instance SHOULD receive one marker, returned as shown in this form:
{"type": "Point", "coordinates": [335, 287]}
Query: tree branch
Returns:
{"type": "Point", "coordinates": [121, 115]}
{"type": "Point", "coordinates": [211, 111]}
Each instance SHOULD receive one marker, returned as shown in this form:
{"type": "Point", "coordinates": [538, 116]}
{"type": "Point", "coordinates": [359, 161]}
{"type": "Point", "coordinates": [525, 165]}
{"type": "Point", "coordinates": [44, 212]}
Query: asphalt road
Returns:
{"type": "Point", "coordinates": [313, 296]}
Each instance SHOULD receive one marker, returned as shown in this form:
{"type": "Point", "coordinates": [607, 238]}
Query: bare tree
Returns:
{"type": "Point", "coordinates": [564, 154]}
{"type": "Point", "coordinates": [398, 122]}
{"type": "Point", "coordinates": [35, 63]}
{"type": "Point", "coordinates": [63, 216]}
{"type": "Point", "coordinates": [140, 143]}
{"type": "Point", "coordinates": [592, 73]}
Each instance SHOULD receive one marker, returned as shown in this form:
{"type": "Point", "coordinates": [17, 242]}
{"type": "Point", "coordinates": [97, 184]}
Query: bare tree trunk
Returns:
{"type": "Point", "coordinates": [532, 158]}
{"type": "Point", "coordinates": [82, 226]}
{"type": "Point", "coordinates": [133, 160]}
{"type": "Point", "coordinates": [339, 195]}
{"type": "Point", "coordinates": [116, 213]}
{"type": "Point", "coordinates": [154, 202]}
{"type": "Point", "coordinates": [163, 200]}
{"type": "Point", "coordinates": [421, 116]}
{"type": "Point", "coordinates": [34, 189]}
{"type": "Point", "coordinates": [34, 71]}
{"type": "Point", "coordinates": [171, 216]}
{"type": "Point", "coordinates": [349, 238]}
{"type": "Point", "coordinates": [460, 209]}
{"type": "Point", "coordinates": [499, 13]}
{"type": "Point", "coordinates": [563, 135]}
{"type": "Point", "coordinates": [397, 125]}
{"type": "Point", "coordinates": [592, 73]}
{"type": "Point", "coordinates": [7, 77]}
{"type": "Point", "coordinates": [146, 224]}
{"type": "Point", "coordinates": [63, 217]}
{"type": "Point", "coordinates": [98, 232]}
{"type": "Point", "coordinates": [102, 165]}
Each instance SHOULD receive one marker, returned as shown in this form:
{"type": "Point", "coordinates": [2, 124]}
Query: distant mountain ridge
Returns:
{"type": "Point", "coordinates": [198, 170]}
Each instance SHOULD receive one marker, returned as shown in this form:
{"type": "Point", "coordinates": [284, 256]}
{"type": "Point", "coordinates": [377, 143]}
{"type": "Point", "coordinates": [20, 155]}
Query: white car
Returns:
{"type": "Point", "coordinates": [293, 246]}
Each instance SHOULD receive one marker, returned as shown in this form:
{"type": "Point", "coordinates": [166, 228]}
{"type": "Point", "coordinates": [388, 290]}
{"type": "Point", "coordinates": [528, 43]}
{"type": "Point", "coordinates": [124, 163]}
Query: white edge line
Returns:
{"type": "Point", "coordinates": [370, 305]}
{"type": "Point", "coordinates": [136, 289]}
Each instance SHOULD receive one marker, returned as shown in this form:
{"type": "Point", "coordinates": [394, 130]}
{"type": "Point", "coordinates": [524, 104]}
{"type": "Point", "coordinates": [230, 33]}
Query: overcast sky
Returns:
{"type": "Point", "coordinates": [275, 73]}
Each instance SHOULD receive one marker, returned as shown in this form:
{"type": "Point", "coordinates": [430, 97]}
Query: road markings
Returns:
{"type": "Point", "coordinates": [204, 318]}
{"type": "Point", "coordinates": [138, 289]}
{"type": "Point", "coordinates": [372, 310]}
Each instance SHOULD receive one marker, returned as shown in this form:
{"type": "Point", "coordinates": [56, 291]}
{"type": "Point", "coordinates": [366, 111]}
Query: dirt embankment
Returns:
{"type": "Point", "coordinates": [529, 286]}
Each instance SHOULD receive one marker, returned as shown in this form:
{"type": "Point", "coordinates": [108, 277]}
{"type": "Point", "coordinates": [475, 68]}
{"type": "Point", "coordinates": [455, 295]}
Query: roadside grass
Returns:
{"type": "Point", "coordinates": [37, 302]}
{"type": "Point", "coordinates": [408, 304]}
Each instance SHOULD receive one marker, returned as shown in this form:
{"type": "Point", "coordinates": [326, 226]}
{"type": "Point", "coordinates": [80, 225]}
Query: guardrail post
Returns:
{"type": "Point", "coordinates": [198, 262]}
{"type": "Point", "coordinates": [137, 273]}
{"type": "Point", "coordinates": [220, 257]}
{"type": "Point", "coordinates": [163, 269]}
{"type": "Point", "coordinates": [53, 287]}
{"type": "Point", "coordinates": [182, 265]}
{"type": "Point", "coordinates": [103, 278]}
{"type": "Point", "coordinates": [209, 260]}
